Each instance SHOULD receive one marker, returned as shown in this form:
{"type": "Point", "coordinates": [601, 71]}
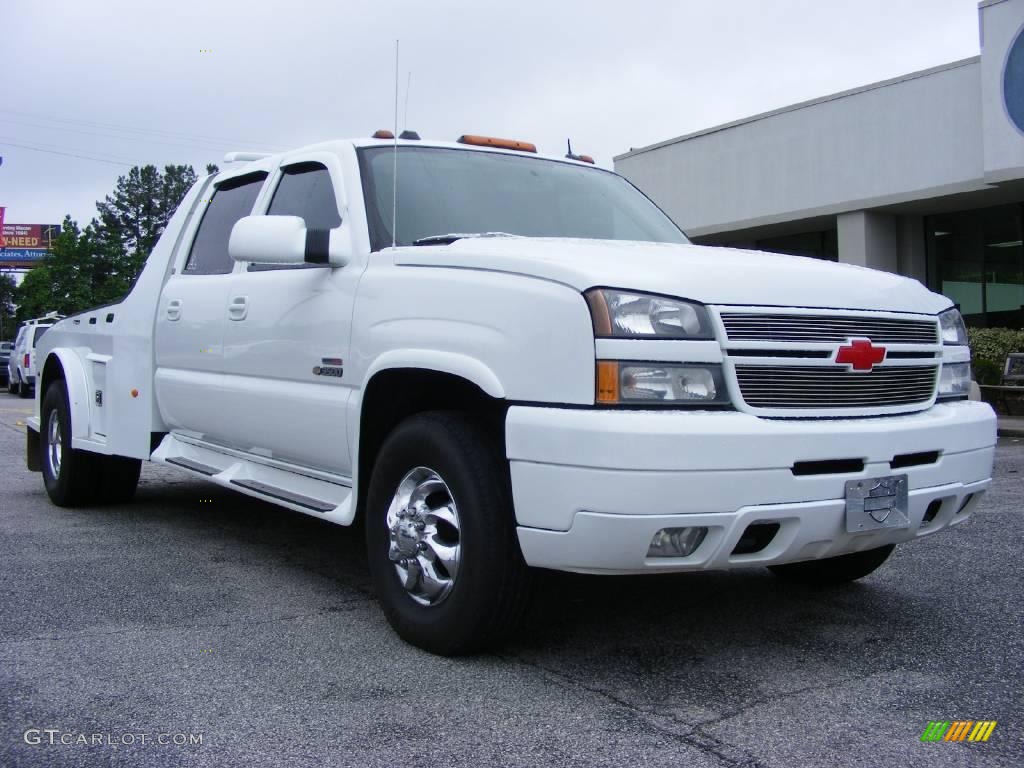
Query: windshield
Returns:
{"type": "Point", "coordinates": [447, 191]}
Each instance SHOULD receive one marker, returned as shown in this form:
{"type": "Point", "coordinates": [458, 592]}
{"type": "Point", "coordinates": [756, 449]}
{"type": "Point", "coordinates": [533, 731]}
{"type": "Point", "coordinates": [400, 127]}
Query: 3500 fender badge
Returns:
{"type": "Point", "coordinates": [331, 366]}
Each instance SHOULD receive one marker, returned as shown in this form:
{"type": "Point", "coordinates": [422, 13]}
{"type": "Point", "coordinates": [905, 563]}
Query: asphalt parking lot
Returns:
{"type": "Point", "coordinates": [193, 610]}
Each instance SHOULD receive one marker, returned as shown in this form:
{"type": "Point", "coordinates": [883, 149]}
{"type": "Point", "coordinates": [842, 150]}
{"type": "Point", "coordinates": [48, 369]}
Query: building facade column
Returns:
{"type": "Point", "coordinates": [913, 255]}
{"type": "Point", "coordinates": [868, 239]}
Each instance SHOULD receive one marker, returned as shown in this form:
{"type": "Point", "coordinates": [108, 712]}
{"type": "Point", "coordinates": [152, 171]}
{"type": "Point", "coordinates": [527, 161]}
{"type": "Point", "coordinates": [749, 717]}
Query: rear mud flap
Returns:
{"type": "Point", "coordinates": [32, 450]}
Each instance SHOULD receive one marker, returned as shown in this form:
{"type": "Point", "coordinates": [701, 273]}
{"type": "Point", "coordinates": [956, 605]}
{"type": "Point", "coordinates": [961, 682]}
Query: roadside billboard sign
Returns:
{"type": "Point", "coordinates": [34, 236]}
{"type": "Point", "coordinates": [25, 244]}
{"type": "Point", "coordinates": [22, 257]}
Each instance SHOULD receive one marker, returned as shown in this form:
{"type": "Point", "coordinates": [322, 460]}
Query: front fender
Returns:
{"type": "Point", "coordinates": [460, 365]}
{"type": "Point", "coordinates": [517, 338]}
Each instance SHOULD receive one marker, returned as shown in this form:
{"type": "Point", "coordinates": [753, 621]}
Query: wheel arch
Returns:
{"type": "Point", "coordinates": [63, 364]}
{"type": "Point", "coordinates": [394, 392]}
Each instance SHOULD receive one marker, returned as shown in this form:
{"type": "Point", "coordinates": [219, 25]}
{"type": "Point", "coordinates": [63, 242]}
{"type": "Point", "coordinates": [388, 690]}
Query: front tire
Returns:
{"type": "Point", "coordinates": [440, 533]}
{"type": "Point", "coordinates": [834, 570]}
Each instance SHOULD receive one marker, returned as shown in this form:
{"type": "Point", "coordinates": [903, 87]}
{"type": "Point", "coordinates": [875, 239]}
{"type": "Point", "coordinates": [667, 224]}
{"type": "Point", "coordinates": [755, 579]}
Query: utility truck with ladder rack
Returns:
{"type": "Point", "coordinates": [514, 362]}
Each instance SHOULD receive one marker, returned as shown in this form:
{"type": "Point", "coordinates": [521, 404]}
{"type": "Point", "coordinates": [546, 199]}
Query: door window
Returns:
{"type": "Point", "coordinates": [305, 190]}
{"type": "Point", "coordinates": [231, 201]}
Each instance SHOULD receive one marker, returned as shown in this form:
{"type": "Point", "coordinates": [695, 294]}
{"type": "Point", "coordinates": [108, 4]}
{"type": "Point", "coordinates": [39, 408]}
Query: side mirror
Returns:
{"type": "Point", "coordinates": [285, 240]}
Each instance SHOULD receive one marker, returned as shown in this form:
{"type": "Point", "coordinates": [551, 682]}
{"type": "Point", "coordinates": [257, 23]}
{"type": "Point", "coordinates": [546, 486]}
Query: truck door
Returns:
{"type": "Point", "coordinates": [287, 338]}
{"type": "Point", "coordinates": [191, 316]}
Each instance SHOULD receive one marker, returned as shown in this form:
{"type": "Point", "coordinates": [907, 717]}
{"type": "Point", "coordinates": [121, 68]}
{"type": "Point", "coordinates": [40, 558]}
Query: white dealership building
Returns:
{"type": "Point", "coordinates": [922, 174]}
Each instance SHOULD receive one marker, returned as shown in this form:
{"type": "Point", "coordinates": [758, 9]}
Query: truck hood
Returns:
{"type": "Point", "coordinates": [707, 274]}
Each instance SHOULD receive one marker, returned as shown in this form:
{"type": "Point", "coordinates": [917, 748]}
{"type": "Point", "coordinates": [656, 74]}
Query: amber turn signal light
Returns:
{"type": "Point", "coordinates": [383, 134]}
{"type": "Point", "coordinates": [599, 313]}
{"type": "Point", "coordinates": [491, 141]}
{"type": "Point", "coordinates": [607, 382]}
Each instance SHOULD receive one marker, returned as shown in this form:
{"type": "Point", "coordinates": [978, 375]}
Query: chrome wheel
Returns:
{"type": "Point", "coordinates": [53, 444]}
{"type": "Point", "coordinates": [425, 539]}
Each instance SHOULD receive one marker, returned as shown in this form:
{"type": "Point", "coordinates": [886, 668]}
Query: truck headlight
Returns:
{"type": "Point", "coordinates": [631, 315]}
{"type": "Point", "coordinates": [954, 381]}
{"type": "Point", "coordinates": [629, 383]}
{"type": "Point", "coordinates": [953, 329]}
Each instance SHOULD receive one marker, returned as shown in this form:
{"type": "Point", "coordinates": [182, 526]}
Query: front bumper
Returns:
{"type": "Point", "coordinates": [592, 487]}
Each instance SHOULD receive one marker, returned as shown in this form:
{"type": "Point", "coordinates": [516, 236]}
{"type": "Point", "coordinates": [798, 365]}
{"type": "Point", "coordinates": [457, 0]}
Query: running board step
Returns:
{"type": "Point", "coordinates": [310, 491]}
{"type": "Point", "coordinates": [195, 466]}
{"type": "Point", "coordinates": [280, 493]}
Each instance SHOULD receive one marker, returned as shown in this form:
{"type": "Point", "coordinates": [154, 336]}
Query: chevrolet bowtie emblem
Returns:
{"type": "Point", "coordinates": [860, 355]}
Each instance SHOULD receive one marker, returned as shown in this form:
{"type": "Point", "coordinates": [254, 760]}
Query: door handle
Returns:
{"type": "Point", "coordinates": [238, 308]}
{"type": "Point", "coordinates": [174, 309]}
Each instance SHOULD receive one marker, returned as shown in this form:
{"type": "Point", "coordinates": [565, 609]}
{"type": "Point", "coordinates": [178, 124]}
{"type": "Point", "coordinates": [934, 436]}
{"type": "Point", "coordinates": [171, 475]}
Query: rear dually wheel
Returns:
{"type": "Point", "coordinates": [73, 477]}
{"type": "Point", "coordinates": [68, 474]}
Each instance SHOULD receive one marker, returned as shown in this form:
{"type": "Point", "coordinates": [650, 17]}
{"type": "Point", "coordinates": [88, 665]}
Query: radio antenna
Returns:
{"type": "Point", "coordinates": [394, 171]}
{"type": "Point", "coordinates": [405, 115]}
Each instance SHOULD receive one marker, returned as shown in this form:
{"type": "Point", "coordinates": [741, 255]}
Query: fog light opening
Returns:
{"type": "Point", "coordinates": [756, 537]}
{"type": "Point", "coordinates": [676, 542]}
{"type": "Point", "coordinates": [932, 510]}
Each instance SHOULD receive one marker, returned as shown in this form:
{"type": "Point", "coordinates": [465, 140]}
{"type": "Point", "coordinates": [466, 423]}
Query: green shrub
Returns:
{"type": "Point", "coordinates": [989, 348]}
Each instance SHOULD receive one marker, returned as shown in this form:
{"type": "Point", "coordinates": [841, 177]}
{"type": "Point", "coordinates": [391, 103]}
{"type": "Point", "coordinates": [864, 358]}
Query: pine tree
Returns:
{"type": "Point", "coordinates": [35, 295]}
{"type": "Point", "coordinates": [133, 218]}
{"type": "Point", "coordinates": [8, 327]}
{"type": "Point", "coordinates": [63, 281]}
{"type": "Point", "coordinates": [97, 265]}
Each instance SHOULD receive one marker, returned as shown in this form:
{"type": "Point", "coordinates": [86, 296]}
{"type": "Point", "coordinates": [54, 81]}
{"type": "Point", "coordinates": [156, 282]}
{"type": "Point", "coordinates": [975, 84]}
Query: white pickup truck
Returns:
{"type": "Point", "coordinates": [532, 369]}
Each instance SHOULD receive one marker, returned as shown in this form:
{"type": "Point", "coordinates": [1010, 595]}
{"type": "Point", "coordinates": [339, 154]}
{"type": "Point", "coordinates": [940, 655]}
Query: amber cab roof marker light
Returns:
{"type": "Point", "coordinates": [383, 133]}
{"type": "Point", "coordinates": [570, 155]}
{"type": "Point", "coordinates": [491, 141]}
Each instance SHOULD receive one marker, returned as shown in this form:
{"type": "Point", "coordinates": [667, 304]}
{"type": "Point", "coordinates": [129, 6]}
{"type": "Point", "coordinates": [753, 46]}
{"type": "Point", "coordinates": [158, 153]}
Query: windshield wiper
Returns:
{"type": "Point", "coordinates": [452, 237]}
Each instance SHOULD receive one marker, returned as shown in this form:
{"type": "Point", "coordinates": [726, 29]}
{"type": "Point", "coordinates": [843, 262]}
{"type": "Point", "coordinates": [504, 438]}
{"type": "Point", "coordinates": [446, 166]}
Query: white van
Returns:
{"type": "Point", "coordinates": [21, 369]}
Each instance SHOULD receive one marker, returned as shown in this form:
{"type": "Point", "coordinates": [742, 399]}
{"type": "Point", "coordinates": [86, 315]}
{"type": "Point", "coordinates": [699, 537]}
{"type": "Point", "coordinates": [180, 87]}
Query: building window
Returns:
{"type": "Point", "coordinates": [976, 258]}
{"type": "Point", "coordinates": [818, 245]}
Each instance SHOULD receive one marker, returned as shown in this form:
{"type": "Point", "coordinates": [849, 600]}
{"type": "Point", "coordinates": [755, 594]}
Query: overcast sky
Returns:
{"type": "Point", "coordinates": [127, 81]}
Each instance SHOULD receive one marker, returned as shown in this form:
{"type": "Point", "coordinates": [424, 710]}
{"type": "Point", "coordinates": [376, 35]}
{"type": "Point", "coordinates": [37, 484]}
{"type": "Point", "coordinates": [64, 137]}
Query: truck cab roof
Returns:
{"type": "Point", "coordinates": [259, 161]}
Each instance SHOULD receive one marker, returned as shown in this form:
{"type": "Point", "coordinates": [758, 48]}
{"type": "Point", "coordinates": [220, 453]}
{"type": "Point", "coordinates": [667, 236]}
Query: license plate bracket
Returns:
{"type": "Point", "coordinates": [876, 503]}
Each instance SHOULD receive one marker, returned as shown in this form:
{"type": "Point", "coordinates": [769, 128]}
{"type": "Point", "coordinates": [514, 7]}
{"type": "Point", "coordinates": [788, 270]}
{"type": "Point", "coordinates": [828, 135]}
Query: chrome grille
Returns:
{"type": "Point", "coordinates": [785, 386]}
{"type": "Point", "coordinates": [750, 326]}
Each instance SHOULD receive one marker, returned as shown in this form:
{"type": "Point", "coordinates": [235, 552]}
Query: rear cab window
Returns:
{"type": "Point", "coordinates": [231, 200]}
